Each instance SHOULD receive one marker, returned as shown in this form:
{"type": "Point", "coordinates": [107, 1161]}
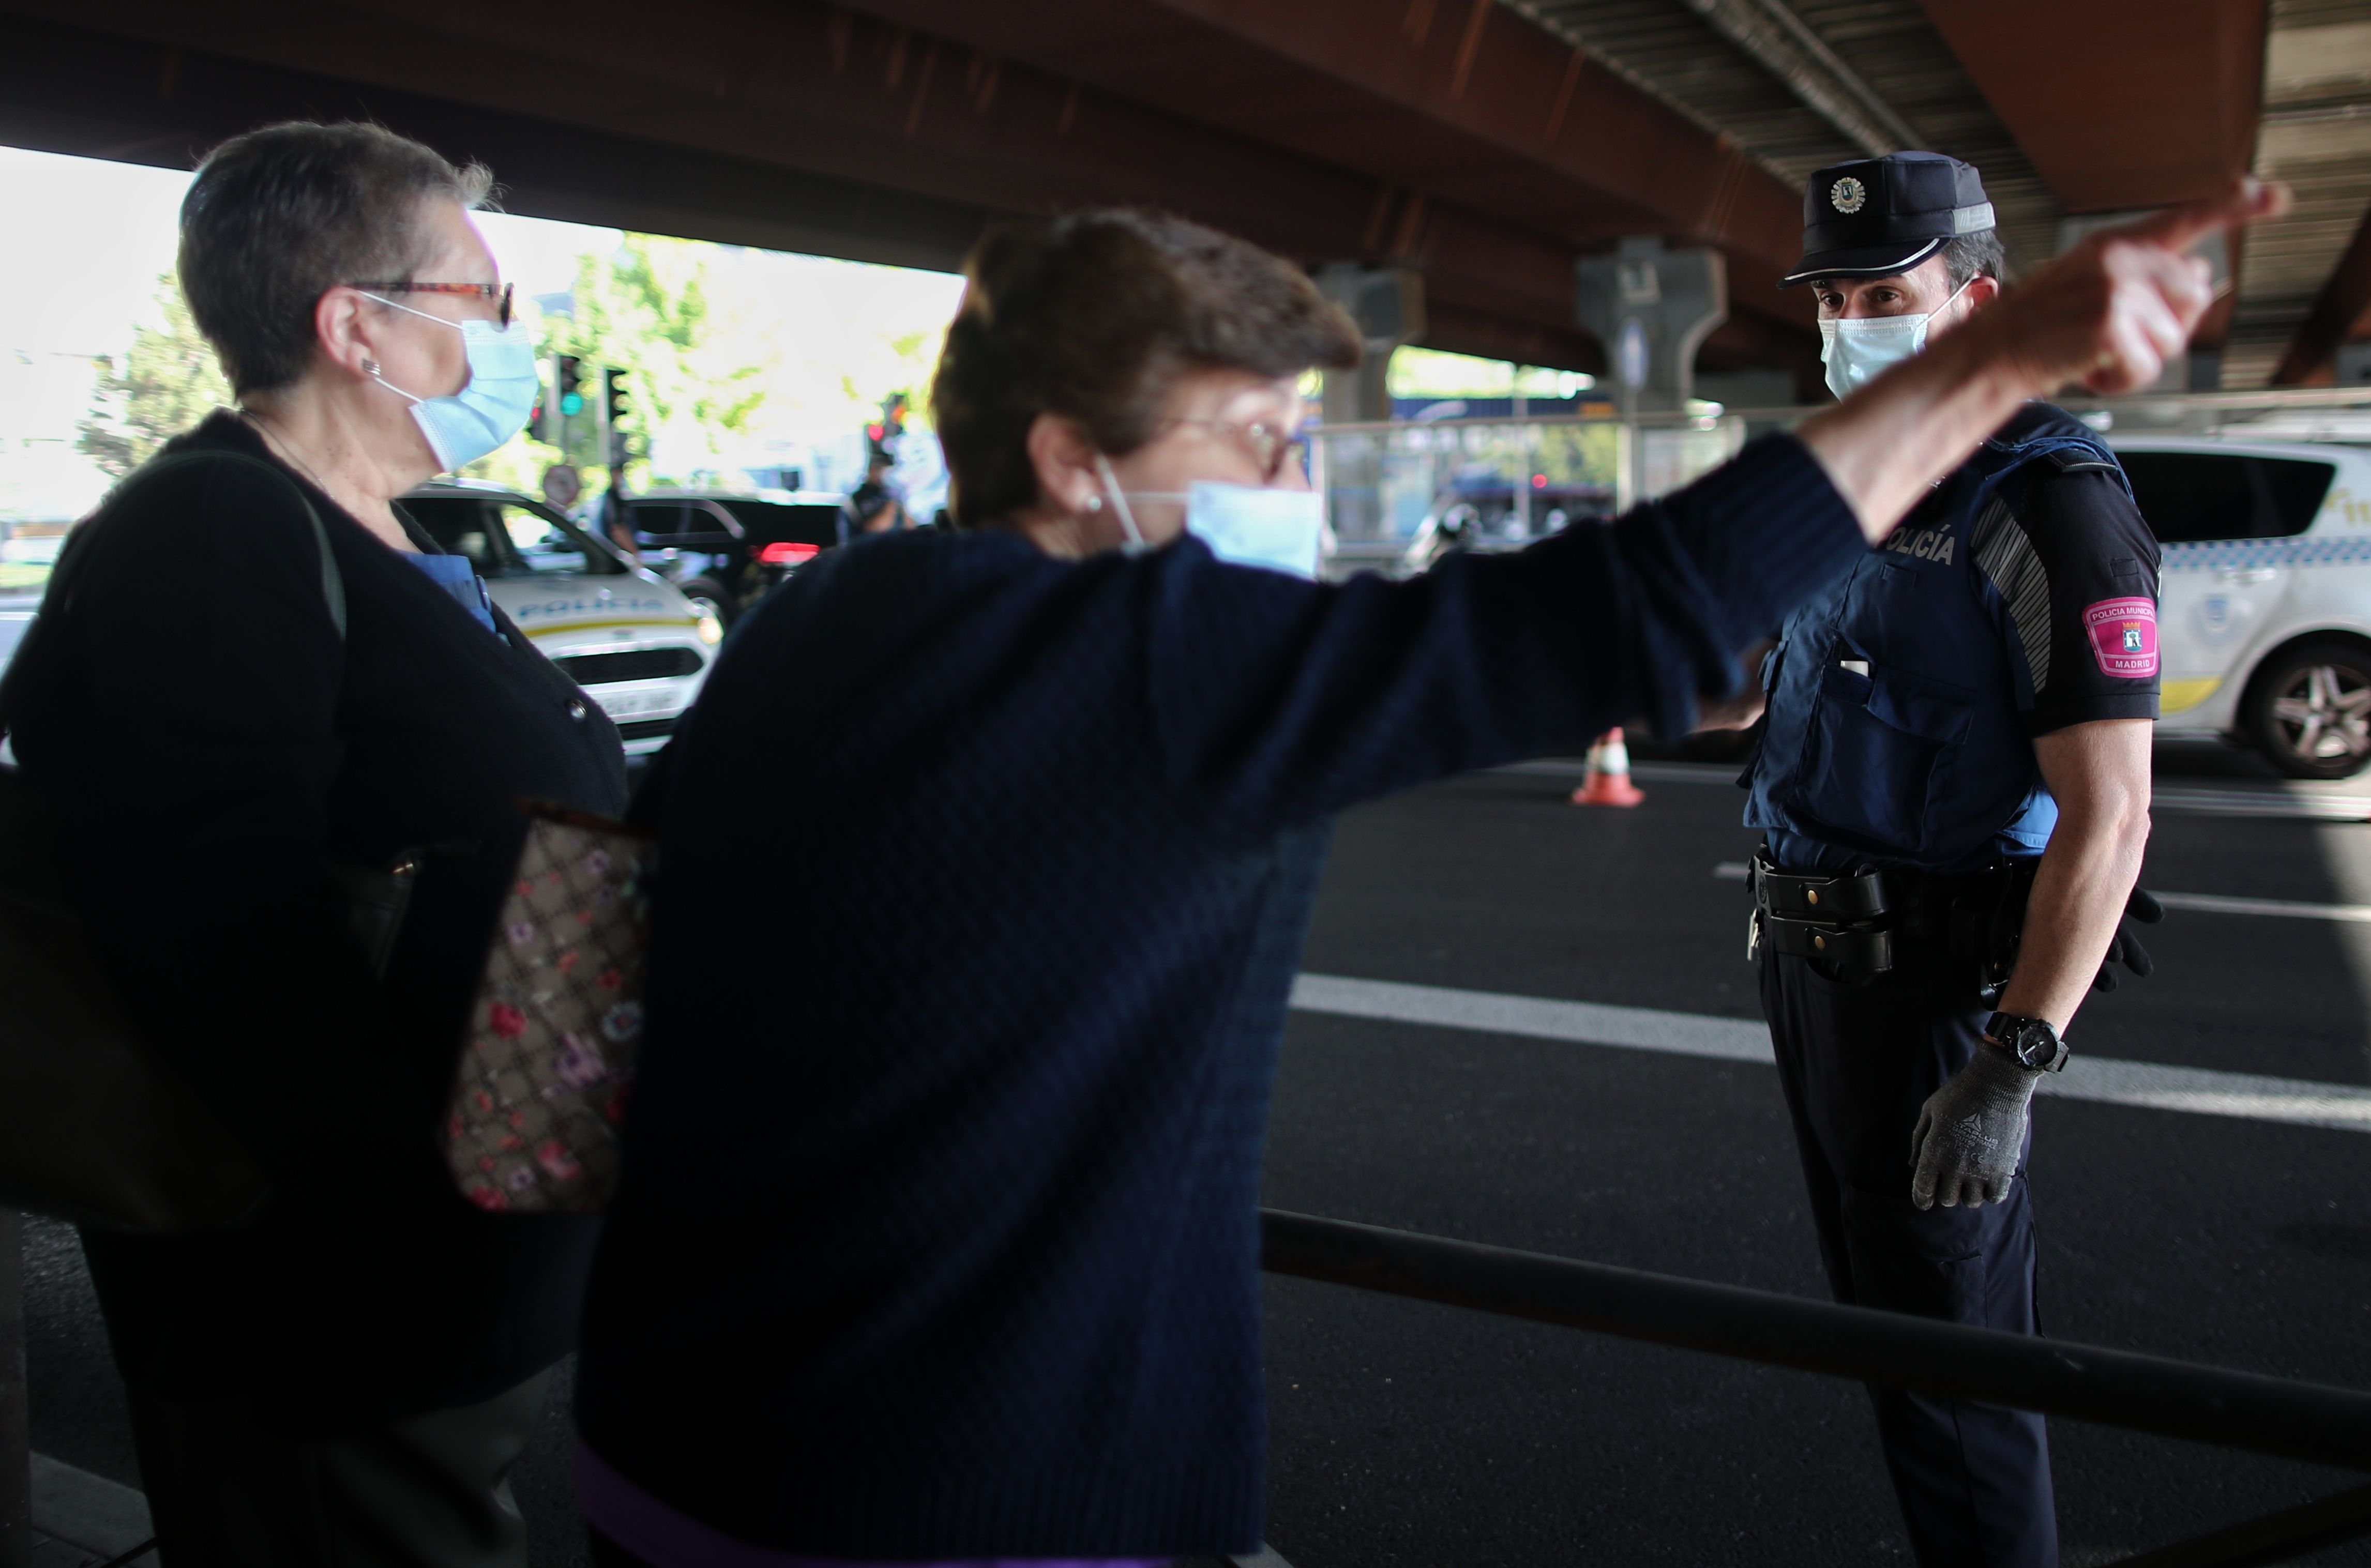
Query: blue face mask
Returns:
{"type": "Point", "coordinates": [1858, 351]}
{"type": "Point", "coordinates": [493, 407]}
{"type": "Point", "coordinates": [1282, 530]}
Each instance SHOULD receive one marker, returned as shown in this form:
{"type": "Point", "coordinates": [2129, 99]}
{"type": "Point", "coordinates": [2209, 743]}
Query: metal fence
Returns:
{"type": "Point", "coordinates": [1399, 493]}
{"type": "Point", "coordinates": [2310, 1422]}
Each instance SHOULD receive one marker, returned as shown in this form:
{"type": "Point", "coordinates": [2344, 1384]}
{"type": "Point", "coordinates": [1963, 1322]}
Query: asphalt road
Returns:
{"type": "Point", "coordinates": [1410, 1434]}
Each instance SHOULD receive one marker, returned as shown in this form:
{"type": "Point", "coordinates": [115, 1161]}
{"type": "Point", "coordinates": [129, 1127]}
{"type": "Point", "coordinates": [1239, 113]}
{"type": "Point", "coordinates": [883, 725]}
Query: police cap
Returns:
{"type": "Point", "coordinates": [1878, 218]}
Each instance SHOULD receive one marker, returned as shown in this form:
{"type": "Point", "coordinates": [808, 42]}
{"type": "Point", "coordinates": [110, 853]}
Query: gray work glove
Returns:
{"type": "Point", "coordinates": [1971, 1131]}
{"type": "Point", "coordinates": [2124, 947]}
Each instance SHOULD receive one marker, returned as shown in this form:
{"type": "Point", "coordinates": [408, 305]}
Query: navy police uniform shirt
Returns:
{"type": "Point", "coordinates": [2077, 569]}
{"type": "Point", "coordinates": [2018, 600]}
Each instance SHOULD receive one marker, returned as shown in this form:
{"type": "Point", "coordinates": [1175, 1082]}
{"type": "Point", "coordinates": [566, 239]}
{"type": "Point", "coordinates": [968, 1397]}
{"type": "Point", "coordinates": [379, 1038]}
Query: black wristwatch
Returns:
{"type": "Point", "coordinates": [2032, 1041]}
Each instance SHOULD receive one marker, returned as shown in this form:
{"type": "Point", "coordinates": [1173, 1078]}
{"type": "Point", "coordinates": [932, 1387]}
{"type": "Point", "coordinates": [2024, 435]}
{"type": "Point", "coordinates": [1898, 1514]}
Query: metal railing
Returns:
{"type": "Point", "coordinates": [2308, 1422]}
{"type": "Point", "coordinates": [1497, 483]}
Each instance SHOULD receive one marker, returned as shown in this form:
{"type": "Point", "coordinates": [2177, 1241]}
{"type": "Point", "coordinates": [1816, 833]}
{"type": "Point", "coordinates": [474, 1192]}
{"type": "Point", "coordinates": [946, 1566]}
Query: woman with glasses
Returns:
{"type": "Point", "coordinates": [938, 1239]}
{"type": "Point", "coordinates": [221, 713]}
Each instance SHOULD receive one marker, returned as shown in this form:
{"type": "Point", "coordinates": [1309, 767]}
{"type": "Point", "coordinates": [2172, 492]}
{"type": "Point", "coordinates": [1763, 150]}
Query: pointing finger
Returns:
{"type": "Point", "coordinates": [2245, 200]}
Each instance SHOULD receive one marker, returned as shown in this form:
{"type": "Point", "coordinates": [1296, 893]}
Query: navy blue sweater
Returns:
{"type": "Point", "coordinates": [985, 878]}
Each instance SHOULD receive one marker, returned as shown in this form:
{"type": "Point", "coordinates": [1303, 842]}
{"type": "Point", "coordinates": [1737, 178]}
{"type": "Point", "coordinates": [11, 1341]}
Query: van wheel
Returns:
{"type": "Point", "coordinates": [2310, 712]}
{"type": "Point", "coordinates": [708, 599]}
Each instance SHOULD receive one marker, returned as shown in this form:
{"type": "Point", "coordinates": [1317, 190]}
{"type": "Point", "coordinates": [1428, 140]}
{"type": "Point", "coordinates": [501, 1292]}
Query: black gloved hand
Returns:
{"type": "Point", "coordinates": [2124, 947]}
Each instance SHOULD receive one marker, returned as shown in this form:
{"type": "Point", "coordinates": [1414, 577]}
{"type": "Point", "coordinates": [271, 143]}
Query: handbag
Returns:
{"type": "Point", "coordinates": [556, 1030]}
{"type": "Point", "coordinates": [94, 1129]}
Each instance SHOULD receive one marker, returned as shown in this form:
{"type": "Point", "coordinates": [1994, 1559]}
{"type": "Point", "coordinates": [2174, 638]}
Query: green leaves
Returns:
{"type": "Point", "coordinates": [167, 381]}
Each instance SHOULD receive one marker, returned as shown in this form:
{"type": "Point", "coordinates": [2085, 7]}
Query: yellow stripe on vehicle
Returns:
{"type": "Point", "coordinates": [548, 627]}
{"type": "Point", "coordinates": [2176, 696]}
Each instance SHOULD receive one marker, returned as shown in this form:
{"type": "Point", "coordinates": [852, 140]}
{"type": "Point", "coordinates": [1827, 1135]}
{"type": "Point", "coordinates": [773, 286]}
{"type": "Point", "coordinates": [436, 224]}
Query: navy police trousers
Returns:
{"type": "Point", "coordinates": [1856, 1063]}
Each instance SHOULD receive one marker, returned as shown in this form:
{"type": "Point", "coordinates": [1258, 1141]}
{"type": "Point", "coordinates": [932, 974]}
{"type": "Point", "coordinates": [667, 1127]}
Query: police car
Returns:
{"type": "Point", "coordinates": [2264, 616]}
{"type": "Point", "coordinates": [636, 645]}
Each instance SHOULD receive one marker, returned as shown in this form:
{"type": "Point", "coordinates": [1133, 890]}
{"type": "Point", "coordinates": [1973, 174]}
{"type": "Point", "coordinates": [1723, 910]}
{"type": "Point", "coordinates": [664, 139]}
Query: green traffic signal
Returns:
{"type": "Point", "coordinates": [572, 403]}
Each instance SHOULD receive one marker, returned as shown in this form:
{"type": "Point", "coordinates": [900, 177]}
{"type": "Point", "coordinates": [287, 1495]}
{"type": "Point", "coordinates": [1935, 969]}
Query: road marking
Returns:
{"type": "Point", "coordinates": [2302, 802]}
{"type": "Point", "coordinates": [2265, 803]}
{"type": "Point", "coordinates": [2105, 1079]}
{"type": "Point", "coordinates": [104, 1519]}
{"type": "Point", "coordinates": [2201, 903]}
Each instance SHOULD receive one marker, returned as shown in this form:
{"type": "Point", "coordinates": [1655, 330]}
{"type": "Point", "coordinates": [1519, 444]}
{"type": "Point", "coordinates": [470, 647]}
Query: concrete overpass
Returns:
{"type": "Point", "coordinates": [1486, 143]}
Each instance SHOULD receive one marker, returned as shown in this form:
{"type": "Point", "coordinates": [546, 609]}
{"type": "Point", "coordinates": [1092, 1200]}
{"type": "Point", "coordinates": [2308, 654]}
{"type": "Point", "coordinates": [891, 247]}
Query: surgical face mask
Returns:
{"type": "Point", "coordinates": [1857, 351]}
{"type": "Point", "coordinates": [493, 406]}
{"type": "Point", "coordinates": [1281, 530]}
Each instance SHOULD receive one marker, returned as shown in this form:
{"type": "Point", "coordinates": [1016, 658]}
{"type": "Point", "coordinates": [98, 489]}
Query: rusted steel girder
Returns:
{"type": "Point", "coordinates": [2118, 105]}
{"type": "Point", "coordinates": [2341, 314]}
{"type": "Point", "coordinates": [1464, 101]}
{"type": "Point", "coordinates": [735, 107]}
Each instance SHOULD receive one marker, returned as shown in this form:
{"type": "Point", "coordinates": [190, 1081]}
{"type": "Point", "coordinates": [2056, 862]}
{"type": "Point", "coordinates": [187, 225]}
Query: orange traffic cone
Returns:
{"type": "Point", "coordinates": [1608, 783]}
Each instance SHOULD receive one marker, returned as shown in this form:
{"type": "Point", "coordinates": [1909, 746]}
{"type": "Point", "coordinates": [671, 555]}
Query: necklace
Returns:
{"type": "Point", "coordinates": [272, 440]}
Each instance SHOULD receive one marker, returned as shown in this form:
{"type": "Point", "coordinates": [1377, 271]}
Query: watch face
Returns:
{"type": "Point", "coordinates": [2029, 1040]}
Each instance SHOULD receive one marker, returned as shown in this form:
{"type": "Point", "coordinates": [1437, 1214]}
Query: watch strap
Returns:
{"type": "Point", "coordinates": [2020, 1036]}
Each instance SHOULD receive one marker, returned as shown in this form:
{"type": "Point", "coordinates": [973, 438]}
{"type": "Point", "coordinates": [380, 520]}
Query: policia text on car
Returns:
{"type": "Point", "coordinates": [1952, 780]}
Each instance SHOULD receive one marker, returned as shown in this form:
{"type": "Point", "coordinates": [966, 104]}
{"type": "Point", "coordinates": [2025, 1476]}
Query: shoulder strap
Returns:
{"type": "Point", "coordinates": [65, 575]}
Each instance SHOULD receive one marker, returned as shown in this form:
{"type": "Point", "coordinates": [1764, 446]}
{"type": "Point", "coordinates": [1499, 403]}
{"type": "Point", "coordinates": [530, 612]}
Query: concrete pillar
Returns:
{"type": "Point", "coordinates": [1652, 308]}
{"type": "Point", "coordinates": [1387, 304]}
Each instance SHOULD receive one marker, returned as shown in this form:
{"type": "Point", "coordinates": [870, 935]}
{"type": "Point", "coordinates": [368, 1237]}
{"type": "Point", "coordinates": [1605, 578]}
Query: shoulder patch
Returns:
{"type": "Point", "coordinates": [2123, 637]}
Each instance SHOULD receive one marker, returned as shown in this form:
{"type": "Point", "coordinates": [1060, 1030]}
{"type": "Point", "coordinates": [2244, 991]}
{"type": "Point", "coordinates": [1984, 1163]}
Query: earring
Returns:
{"type": "Point", "coordinates": [1094, 504]}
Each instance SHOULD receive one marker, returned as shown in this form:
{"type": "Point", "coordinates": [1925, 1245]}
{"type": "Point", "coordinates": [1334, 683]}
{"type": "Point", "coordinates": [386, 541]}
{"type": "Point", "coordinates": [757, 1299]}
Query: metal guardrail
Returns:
{"type": "Point", "coordinates": [1389, 484]}
{"type": "Point", "coordinates": [2308, 1422]}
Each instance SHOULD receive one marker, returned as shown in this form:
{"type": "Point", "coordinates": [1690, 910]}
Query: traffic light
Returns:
{"type": "Point", "coordinates": [614, 408]}
{"type": "Point", "coordinates": [881, 436]}
{"type": "Point", "coordinates": [559, 398]}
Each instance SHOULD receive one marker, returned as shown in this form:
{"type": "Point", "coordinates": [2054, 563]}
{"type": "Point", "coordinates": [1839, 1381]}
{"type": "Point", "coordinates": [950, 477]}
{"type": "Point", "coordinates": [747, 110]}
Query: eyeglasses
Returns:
{"type": "Point", "coordinates": [499, 294]}
{"type": "Point", "coordinates": [1271, 445]}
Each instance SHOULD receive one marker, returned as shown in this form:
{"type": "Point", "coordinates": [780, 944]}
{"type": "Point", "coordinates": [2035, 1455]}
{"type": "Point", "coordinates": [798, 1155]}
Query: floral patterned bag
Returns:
{"type": "Point", "coordinates": [558, 1022]}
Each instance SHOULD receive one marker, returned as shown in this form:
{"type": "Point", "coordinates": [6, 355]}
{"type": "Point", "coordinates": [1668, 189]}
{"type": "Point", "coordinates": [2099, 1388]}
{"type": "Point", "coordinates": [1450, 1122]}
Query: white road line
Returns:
{"type": "Point", "coordinates": [2298, 803]}
{"type": "Point", "coordinates": [2215, 903]}
{"type": "Point", "coordinates": [103, 1517]}
{"type": "Point", "coordinates": [2108, 1080]}
{"type": "Point", "coordinates": [2202, 903]}
{"type": "Point", "coordinates": [2263, 803]}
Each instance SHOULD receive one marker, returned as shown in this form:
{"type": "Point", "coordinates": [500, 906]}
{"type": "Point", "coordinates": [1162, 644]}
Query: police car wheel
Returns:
{"type": "Point", "coordinates": [708, 599]}
{"type": "Point", "coordinates": [2310, 712]}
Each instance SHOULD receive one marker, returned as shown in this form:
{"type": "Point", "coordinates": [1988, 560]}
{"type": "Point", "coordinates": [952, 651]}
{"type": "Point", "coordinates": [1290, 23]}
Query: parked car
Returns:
{"type": "Point", "coordinates": [2265, 617]}
{"type": "Point", "coordinates": [727, 549]}
{"type": "Point", "coordinates": [637, 646]}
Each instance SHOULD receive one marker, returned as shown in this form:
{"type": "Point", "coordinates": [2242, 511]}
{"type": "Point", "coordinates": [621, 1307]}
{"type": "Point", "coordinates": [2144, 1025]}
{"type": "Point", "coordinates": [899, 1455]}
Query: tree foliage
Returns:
{"type": "Point", "coordinates": [167, 381]}
{"type": "Point", "coordinates": [646, 308]}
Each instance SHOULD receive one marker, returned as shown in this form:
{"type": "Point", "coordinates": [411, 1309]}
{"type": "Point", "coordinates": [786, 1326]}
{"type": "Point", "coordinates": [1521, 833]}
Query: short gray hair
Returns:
{"type": "Point", "coordinates": [277, 217]}
{"type": "Point", "coordinates": [1975, 255]}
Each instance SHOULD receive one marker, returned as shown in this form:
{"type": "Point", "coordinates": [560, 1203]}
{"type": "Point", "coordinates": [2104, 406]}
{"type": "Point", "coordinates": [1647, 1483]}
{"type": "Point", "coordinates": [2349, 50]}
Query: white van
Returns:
{"type": "Point", "coordinates": [2265, 619]}
{"type": "Point", "coordinates": [637, 646]}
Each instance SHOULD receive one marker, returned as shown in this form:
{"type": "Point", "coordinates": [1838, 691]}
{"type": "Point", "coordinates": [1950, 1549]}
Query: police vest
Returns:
{"type": "Point", "coordinates": [1893, 734]}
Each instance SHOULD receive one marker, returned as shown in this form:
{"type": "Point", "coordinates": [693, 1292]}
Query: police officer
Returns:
{"type": "Point", "coordinates": [1953, 782]}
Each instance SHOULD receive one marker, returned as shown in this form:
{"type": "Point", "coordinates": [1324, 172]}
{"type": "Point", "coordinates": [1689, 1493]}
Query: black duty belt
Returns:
{"type": "Point", "coordinates": [1841, 920]}
{"type": "Point", "coordinates": [1852, 924]}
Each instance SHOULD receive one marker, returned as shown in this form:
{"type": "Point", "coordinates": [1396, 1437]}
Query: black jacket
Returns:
{"type": "Point", "coordinates": [213, 743]}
